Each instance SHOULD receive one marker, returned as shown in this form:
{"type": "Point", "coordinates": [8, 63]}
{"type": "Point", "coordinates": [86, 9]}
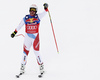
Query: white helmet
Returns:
{"type": "Point", "coordinates": [33, 7]}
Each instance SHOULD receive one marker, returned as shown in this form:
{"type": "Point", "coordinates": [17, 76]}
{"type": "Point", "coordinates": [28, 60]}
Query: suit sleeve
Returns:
{"type": "Point", "coordinates": [41, 15]}
{"type": "Point", "coordinates": [20, 25]}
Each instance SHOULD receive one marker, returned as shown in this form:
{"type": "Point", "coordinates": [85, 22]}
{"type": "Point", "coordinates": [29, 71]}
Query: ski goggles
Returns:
{"type": "Point", "coordinates": [33, 9]}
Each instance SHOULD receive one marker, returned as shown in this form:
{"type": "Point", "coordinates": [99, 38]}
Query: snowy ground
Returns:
{"type": "Point", "coordinates": [77, 28]}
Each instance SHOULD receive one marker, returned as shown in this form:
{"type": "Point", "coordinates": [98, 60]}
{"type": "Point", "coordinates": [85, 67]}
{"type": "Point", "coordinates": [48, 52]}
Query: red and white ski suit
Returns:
{"type": "Point", "coordinates": [31, 36]}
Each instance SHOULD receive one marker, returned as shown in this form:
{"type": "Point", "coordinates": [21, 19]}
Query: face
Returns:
{"type": "Point", "coordinates": [32, 13]}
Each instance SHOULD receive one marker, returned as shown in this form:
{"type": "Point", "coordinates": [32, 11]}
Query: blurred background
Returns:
{"type": "Point", "coordinates": [77, 28]}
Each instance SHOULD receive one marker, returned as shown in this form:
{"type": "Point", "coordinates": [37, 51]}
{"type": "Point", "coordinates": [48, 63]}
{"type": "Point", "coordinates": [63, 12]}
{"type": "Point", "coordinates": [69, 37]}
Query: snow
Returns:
{"type": "Point", "coordinates": [77, 28]}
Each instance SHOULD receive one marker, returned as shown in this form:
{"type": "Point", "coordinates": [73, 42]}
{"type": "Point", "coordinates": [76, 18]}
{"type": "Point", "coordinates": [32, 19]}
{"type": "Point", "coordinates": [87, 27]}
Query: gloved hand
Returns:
{"type": "Point", "coordinates": [13, 34]}
{"type": "Point", "coordinates": [45, 6]}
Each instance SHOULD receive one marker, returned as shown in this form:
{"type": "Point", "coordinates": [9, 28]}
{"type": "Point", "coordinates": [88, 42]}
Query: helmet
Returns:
{"type": "Point", "coordinates": [33, 7]}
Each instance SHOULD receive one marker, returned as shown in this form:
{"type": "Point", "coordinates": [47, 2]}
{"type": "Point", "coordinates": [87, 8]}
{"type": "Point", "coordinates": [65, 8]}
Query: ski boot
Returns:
{"type": "Point", "coordinates": [22, 71]}
{"type": "Point", "coordinates": [41, 70]}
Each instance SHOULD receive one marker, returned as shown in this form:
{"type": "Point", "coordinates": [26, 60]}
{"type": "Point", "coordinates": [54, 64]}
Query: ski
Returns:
{"type": "Point", "coordinates": [17, 76]}
{"type": "Point", "coordinates": [41, 75]}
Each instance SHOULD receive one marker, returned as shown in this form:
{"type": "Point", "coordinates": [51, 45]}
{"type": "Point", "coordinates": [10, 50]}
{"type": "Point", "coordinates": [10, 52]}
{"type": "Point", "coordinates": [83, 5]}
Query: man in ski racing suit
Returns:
{"type": "Point", "coordinates": [32, 22]}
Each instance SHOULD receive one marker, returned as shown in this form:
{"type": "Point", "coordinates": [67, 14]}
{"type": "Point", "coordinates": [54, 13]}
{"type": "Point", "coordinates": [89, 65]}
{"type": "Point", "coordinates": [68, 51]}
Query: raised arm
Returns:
{"type": "Point", "coordinates": [41, 15]}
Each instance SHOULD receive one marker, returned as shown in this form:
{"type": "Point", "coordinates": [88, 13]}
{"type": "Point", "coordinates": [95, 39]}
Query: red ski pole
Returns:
{"type": "Point", "coordinates": [19, 35]}
{"type": "Point", "coordinates": [53, 31]}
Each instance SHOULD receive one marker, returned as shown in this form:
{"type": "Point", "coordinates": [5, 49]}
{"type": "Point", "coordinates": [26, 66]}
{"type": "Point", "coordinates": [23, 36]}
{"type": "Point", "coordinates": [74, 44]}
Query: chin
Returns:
{"type": "Point", "coordinates": [32, 14]}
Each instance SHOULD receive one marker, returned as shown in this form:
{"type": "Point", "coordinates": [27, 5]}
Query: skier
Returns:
{"type": "Point", "coordinates": [31, 22]}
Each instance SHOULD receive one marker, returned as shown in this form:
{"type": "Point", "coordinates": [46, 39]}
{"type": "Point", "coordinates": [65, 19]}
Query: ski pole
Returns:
{"type": "Point", "coordinates": [19, 35]}
{"type": "Point", "coordinates": [53, 31]}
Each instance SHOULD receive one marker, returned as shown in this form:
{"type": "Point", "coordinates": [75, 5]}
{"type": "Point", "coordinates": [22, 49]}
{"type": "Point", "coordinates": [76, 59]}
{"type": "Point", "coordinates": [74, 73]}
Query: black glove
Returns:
{"type": "Point", "coordinates": [45, 6]}
{"type": "Point", "coordinates": [13, 34]}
